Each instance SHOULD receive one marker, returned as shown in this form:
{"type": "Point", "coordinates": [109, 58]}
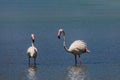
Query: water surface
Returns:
{"type": "Point", "coordinates": [96, 22]}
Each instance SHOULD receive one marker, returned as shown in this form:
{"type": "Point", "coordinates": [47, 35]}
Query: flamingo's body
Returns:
{"type": "Point", "coordinates": [77, 48]}
{"type": "Point", "coordinates": [32, 50]}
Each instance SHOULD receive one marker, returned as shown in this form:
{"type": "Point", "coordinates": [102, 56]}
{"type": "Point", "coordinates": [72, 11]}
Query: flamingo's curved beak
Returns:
{"type": "Point", "coordinates": [58, 37]}
{"type": "Point", "coordinates": [33, 38]}
{"type": "Point", "coordinates": [59, 33]}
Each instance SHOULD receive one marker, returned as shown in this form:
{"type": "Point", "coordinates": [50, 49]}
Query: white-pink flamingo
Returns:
{"type": "Point", "coordinates": [77, 48]}
{"type": "Point", "coordinates": [32, 50]}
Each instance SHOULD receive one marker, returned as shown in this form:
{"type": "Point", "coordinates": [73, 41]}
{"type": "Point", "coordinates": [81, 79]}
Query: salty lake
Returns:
{"type": "Point", "coordinates": [96, 22]}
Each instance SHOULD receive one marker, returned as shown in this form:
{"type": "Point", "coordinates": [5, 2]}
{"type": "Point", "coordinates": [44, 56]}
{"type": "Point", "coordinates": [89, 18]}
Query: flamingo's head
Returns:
{"type": "Point", "coordinates": [33, 38]}
{"type": "Point", "coordinates": [59, 33]}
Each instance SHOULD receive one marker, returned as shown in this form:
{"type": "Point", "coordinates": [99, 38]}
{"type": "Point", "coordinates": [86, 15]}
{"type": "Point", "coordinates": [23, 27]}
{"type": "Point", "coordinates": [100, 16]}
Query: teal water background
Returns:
{"type": "Point", "coordinates": [96, 22]}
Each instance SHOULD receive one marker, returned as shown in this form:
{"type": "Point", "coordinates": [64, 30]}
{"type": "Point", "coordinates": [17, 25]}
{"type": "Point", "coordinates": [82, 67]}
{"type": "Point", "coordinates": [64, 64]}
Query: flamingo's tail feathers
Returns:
{"type": "Point", "coordinates": [88, 51]}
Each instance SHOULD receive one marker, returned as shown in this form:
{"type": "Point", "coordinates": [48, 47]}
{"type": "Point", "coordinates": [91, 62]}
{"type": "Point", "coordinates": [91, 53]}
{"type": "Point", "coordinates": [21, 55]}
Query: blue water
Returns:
{"type": "Point", "coordinates": [96, 22]}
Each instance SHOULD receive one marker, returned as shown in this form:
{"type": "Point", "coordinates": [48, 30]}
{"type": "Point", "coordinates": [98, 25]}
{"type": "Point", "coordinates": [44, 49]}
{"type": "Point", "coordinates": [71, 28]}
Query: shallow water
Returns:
{"type": "Point", "coordinates": [95, 22]}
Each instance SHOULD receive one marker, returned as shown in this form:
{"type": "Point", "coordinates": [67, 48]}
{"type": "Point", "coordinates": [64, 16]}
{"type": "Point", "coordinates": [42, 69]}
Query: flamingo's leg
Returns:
{"type": "Point", "coordinates": [80, 60]}
{"type": "Point", "coordinates": [75, 60]}
{"type": "Point", "coordinates": [29, 60]}
{"type": "Point", "coordinates": [34, 61]}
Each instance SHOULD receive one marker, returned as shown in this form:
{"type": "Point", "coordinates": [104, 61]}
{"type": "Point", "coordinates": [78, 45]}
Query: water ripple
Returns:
{"type": "Point", "coordinates": [76, 73]}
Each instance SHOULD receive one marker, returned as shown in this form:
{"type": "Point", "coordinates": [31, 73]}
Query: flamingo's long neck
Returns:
{"type": "Point", "coordinates": [33, 40]}
{"type": "Point", "coordinates": [64, 42]}
{"type": "Point", "coordinates": [32, 44]}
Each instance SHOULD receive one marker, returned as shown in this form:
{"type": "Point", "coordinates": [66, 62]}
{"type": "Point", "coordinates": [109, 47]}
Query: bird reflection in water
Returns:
{"type": "Point", "coordinates": [77, 73]}
{"type": "Point", "coordinates": [32, 73]}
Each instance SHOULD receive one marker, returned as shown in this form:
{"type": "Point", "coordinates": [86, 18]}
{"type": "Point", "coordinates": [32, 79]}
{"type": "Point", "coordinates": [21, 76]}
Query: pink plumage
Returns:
{"type": "Point", "coordinates": [32, 50]}
{"type": "Point", "coordinates": [77, 48]}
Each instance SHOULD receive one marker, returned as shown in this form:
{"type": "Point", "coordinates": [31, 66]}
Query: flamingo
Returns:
{"type": "Point", "coordinates": [32, 50]}
{"type": "Point", "coordinates": [77, 48]}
